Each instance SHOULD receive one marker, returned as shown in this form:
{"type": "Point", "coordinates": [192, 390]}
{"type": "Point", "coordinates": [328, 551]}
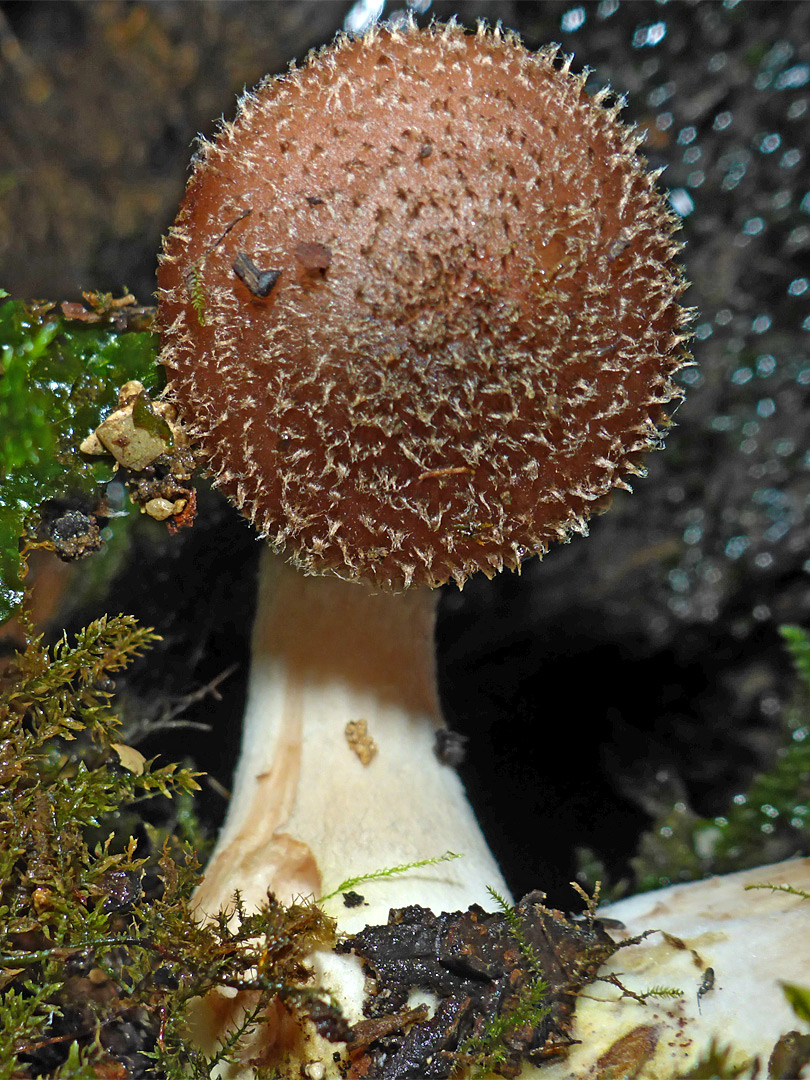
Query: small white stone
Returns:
{"type": "Point", "coordinates": [129, 391]}
{"type": "Point", "coordinates": [160, 509]}
{"type": "Point", "coordinates": [93, 445]}
{"type": "Point", "coordinates": [131, 446]}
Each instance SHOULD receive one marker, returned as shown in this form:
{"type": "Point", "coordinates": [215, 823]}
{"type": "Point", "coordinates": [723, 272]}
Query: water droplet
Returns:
{"type": "Point", "coordinates": [678, 580]}
{"type": "Point", "coordinates": [681, 202]}
{"type": "Point", "coordinates": [793, 78]}
{"type": "Point", "coordinates": [779, 54]}
{"type": "Point", "coordinates": [734, 176]}
{"type": "Point", "coordinates": [722, 423]}
{"type": "Point", "coordinates": [769, 143]}
{"type": "Point", "coordinates": [766, 365]}
{"type": "Point", "coordinates": [572, 20]}
{"type": "Point", "coordinates": [607, 8]}
{"type": "Point", "coordinates": [716, 63]}
{"type": "Point", "coordinates": [736, 546]}
{"type": "Point", "coordinates": [776, 531]}
{"type": "Point", "coordinates": [362, 15]}
{"type": "Point", "coordinates": [650, 35]}
{"type": "Point", "coordinates": [660, 94]}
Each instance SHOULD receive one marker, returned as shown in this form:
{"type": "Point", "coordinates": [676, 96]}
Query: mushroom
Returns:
{"type": "Point", "coordinates": [420, 315]}
{"type": "Point", "coordinates": [737, 948]}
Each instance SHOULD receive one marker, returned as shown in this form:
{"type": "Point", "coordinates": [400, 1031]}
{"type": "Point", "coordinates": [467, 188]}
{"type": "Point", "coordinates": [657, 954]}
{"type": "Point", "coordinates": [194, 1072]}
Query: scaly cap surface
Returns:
{"type": "Point", "coordinates": [419, 305]}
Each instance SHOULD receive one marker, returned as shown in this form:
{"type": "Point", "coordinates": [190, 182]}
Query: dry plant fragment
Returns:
{"type": "Point", "coordinates": [360, 741]}
{"type": "Point", "coordinates": [420, 316]}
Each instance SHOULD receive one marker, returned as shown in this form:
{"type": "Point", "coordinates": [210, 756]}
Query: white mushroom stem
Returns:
{"type": "Point", "coordinates": [306, 813]}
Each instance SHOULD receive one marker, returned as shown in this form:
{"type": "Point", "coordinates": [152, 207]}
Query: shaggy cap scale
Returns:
{"type": "Point", "coordinates": [419, 307]}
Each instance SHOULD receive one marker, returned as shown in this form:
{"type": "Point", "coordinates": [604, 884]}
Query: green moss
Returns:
{"type": "Point", "coordinates": [100, 952]}
{"type": "Point", "coordinates": [386, 872]}
{"type": "Point", "coordinates": [773, 814]}
{"type": "Point", "coordinates": [715, 1064]}
{"type": "Point", "coordinates": [490, 1051]}
{"type": "Point", "coordinates": [196, 288]}
{"type": "Point", "coordinates": [516, 927]}
{"type": "Point", "coordinates": [58, 380]}
{"type": "Point", "coordinates": [798, 643]}
{"type": "Point", "coordinates": [799, 998]}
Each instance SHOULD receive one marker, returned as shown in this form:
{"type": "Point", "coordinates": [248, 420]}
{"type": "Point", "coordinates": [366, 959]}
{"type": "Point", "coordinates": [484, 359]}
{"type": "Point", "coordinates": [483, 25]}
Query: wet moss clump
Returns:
{"type": "Point", "coordinates": [100, 951]}
{"type": "Point", "coordinates": [59, 370]}
{"type": "Point", "coordinates": [767, 822]}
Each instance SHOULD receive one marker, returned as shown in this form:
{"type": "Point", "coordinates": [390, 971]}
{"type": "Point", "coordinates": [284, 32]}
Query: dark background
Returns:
{"type": "Point", "coordinates": [629, 669]}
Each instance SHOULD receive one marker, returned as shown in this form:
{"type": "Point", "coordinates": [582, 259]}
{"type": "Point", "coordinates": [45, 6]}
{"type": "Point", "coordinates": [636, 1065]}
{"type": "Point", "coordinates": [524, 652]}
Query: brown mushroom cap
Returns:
{"type": "Point", "coordinates": [419, 306]}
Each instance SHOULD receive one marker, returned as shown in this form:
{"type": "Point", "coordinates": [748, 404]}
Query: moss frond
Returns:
{"type": "Point", "coordinates": [388, 871]}
{"type": "Point", "coordinates": [773, 815]}
{"type": "Point", "coordinates": [780, 887]}
{"type": "Point", "coordinates": [662, 992]}
{"type": "Point", "coordinates": [799, 1000]}
{"type": "Point", "coordinates": [798, 644]}
{"type": "Point", "coordinates": [490, 1049]}
{"type": "Point", "coordinates": [715, 1064]}
{"type": "Point", "coordinates": [516, 928]}
{"type": "Point", "coordinates": [100, 951]}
